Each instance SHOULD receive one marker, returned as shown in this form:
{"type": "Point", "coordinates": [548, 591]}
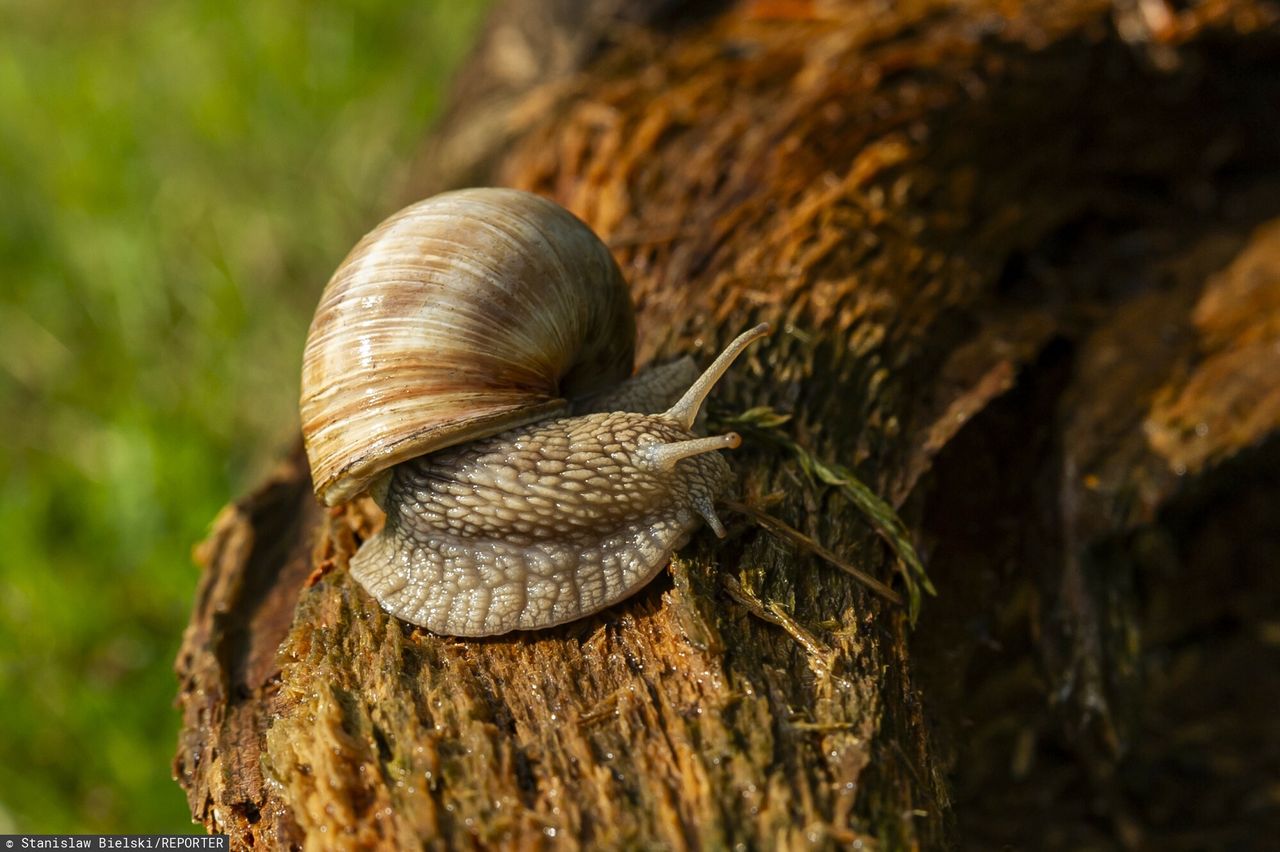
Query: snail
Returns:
{"type": "Point", "coordinates": [469, 367]}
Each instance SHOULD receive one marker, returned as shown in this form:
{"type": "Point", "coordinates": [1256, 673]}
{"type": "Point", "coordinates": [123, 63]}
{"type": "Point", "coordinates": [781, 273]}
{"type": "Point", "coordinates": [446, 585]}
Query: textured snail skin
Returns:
{"type": "Point", "coordinates": [538, 525]}
{"type": "Point", "coordinates": [651, 391]}
{"type": "Point", "coordinates": [553, 521]}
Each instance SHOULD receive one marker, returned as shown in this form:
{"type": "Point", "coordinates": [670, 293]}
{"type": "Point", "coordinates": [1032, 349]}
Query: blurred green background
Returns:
{"type": "Point", "coordinates": [177, 181]}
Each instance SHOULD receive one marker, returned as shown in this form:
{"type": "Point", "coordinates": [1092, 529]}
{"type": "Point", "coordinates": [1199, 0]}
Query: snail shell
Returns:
{"type": "Point", "coordinates": [460, 316]}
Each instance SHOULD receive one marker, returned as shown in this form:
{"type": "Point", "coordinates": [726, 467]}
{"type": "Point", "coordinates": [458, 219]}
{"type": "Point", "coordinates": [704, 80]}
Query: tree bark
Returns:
{"type": "Point", "coordinates": [1024, 260]}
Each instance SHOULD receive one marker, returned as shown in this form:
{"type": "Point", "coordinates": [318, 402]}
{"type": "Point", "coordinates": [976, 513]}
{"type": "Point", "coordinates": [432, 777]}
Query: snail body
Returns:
{"type": "Point", "coordinates": [522, 487]}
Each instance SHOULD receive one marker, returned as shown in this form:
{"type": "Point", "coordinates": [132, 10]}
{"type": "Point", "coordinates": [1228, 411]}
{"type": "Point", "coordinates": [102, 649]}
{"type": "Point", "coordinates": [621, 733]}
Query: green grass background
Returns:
{"type": "Point", "coordinates": [177, 181]}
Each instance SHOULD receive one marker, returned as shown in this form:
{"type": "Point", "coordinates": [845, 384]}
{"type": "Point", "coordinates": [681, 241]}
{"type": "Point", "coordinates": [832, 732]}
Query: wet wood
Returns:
{"type": "Point", "coordinates": [1025, 263]}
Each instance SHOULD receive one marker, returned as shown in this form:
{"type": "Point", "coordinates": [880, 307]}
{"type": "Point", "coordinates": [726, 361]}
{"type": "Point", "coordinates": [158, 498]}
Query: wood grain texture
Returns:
{"type": "Point", "coordinates": [1020, 260]}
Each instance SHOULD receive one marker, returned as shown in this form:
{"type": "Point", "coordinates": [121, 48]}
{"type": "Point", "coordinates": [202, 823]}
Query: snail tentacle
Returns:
{"type": "Point", "coordinates": [685, 411]}
{"type": "Point", "coordinates": [665, 456]}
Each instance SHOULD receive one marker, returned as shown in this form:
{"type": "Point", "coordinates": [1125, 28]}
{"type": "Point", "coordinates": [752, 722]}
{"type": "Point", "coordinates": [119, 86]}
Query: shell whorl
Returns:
{"type": "Point", "coordinates": [458, 317]}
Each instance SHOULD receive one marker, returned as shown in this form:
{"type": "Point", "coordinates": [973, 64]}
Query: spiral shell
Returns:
{"type": "Point", "coordinates": [458, 317]}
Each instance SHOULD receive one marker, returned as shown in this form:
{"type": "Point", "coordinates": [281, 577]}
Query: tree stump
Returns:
{"type": "Point", "coordinates": [1024, 259]}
